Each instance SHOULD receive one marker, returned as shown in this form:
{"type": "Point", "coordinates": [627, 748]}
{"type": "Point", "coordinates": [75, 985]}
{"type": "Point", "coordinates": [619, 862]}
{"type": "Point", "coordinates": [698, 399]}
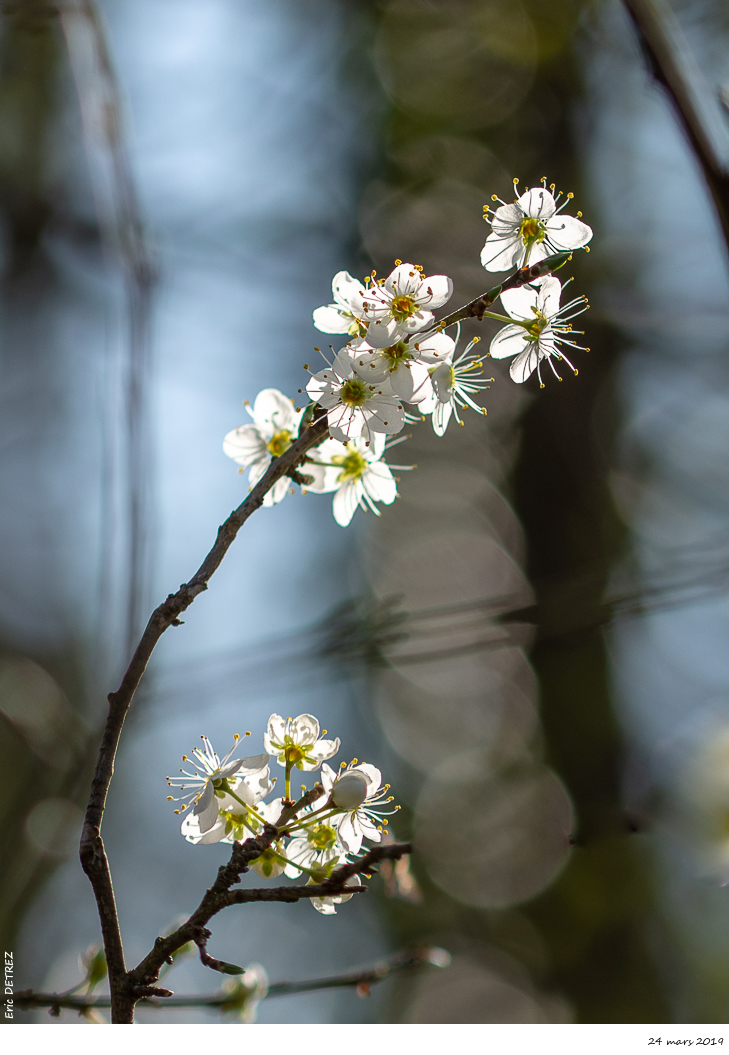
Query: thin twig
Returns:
{"type": "Point", "coordinates": [476, 308]}
{"type": "Point", "coordinates": [364, 977]}
{"type": "Point", "coordinates": [672, 65]}
{"type": "Point", "coordinates": [220, 896]}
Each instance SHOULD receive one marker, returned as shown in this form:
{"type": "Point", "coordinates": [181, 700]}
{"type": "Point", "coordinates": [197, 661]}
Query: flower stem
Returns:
{"type": "Point", "coordinates": [495, 315]}
{"type": "Point", "coordinates": [304, 823]}
{"type": "Point", "coordinates": [302, 868]}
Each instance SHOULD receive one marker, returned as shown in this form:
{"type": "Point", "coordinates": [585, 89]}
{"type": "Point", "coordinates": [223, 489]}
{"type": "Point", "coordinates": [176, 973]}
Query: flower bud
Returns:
{"type": "Point", "coordinates": [350, 791]}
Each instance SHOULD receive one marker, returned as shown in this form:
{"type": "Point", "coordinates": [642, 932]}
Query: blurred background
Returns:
{"type": "Point", "coordinates": [531, 643]}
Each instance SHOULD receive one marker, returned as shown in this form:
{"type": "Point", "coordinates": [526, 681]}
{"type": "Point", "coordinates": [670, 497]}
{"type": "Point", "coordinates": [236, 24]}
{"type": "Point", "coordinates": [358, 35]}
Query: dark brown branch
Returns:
{"type": "Point", "coordinates": [672, 65]}
{"type": "Point", "coordinates": [364, 977]}
{"type": "Point", "coordinates": [477, 307]}
{"type": "Point", "coordinates": [92, 853]}
{"type": "Point", "coordinates": [93, 857]}
{"type": "Point", "coordinates": [220, 896]}
{"type": "Point", "coordinates": [216, 898]}
{"type": "Point", "coordinates": [332, 887]}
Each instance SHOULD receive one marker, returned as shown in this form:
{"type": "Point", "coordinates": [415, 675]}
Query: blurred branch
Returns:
{"type": "Point", "coordinates": [367, 632]}
{"type": "Point", "coordinates": [361, 979]}
{"type": "Point", "coordinates": [672, 65]}
{"type": "Point", "coordinates": [121, 224]}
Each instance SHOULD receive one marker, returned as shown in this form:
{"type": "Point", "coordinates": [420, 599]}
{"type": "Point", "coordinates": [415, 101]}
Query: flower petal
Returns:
{"type": "Point", "coordinates": [343, 361]}
{"type": "Point", "coordinates": [273, 411]}
{"type": "Point", "coordinates": [327, 777]}
{"type": "Point", "coordinates": [275, 732]}
{"type": "Point", "coordinates": [404, 280]}
{"type": "Point", "coordinates": [519, 302]}
{"type": "Point", "coordinates": [346, 423]}
{"type": "Point", "coordinates": [441, 416]}
{"type": "Point", "coordinates": [304, 729]}
{"type": "Point", "coordinates": [403, 382]}
{"type": "Point", "coordinates": [245, 445]}
{"type": "Point", "coordinates": [190, 828]}
{"type": "Point", "coordinates": [331, 319]}
{"type": "Point", "coordinates": [502, 252]}
{"type": "Point", "coordinates": [207, 813]}
{"type": "Point", "coordinates": [508, 341]}
{"type": "Point", "coordinates": [372, 775]}
{"type": "Point", "coordinates": [278, 492]}
{"type": "Point", "coordinates": [383, 333]}
{"type": "Point", "coordinates": [435, 291]}
{"type": "Point", "coordinates": [506, 219]}
{"type": "Point", "coordinates": [567, 232]}
{"type": "Point", "coordinates": [550, 292]}
{"type": "Point", "coordinates": [525, 364]}
{"type": "Point", "coordinates": [419, 320]}
{"type": "Point", "coordinates": [258, 469]}
{"type": "Point", "coordinates": [437, 348]}
{"type": "Point", "coordinates": [323, 905]}
{"type": "Point", "coordinates": [344, 286]}
{"type": "Point", "coordinates": [321, 750]}
{"type": "Point", "coordinates": [380, 484]}
{"type": "Point", "coordinates": [384, 414]}
{"type": "Point", "coordinates": [372, 367]}
{"type": "Point", "coordinates": [346, 501]}
{"type": "Point", "coordinates": [326, 477]}
{"type": "Point", "coordinates": [253, 764]}
{"type": "Point", "coordinates": [350, 833]}
{"type": "Point", "coordinates": [538, 202]}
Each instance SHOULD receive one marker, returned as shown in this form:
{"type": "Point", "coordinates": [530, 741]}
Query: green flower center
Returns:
{"type": "Point", "coordinates": [396, 354]}
{"type": "Point", "coordinates": [239, 825]}
{"type": "Point", "coordinates": [532, 230]}
{"type": "Point", "coordinates": [279, 442]}
{"type": "Point", "coordinates": [353, 392]}
{"type": "Point", "coordinates": [534, 328]}
{"type": "Point", "coordinates": [294, 754]}
{"type": "Point", "coordinates": [403, 307]}
{"type": "Point", "coordinates": [268, 862]}
{"type": "Point", "coordinates": [353, 465]}
{"type": "Point", "coordinates": [323, 837]}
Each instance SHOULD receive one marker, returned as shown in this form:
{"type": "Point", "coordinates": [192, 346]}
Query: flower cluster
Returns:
{"type": "Point", "coordinates": [223, 801]}
{"type": "Point", "coordinates": [399, 366]}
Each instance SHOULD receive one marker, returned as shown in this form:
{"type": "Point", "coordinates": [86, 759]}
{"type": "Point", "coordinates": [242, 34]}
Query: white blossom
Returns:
{"type": "Point", "coordinates": [540, 328]}
{"type": "Point", "coordinates": [355, 407]}
{"type": "Point", "coordinates": [244, 993]}
{"type": "Point", "coordinates": [404, 362]}
{"type": "Point", "coordinates": [325, 905]}
{"type": "Point", "coordinates": [350, 790]}
{"type": "Point", "coordinates": [209, 780]}
{"type": "Point", "coordinates": [529, 229]}
{"type": "Point", "coordinates": [338, 317]}
{"type": "Point", "coordinates": [296, 742]}
{"type": "Point", "coordinates": [275, 427]}
{"type": "Point", "coordinates": [240, 810]}
{"type": "Point", "coordinates": [364, 820]}
{"type": "Point", "coordinates": [403, 301]}
{"type": "Point", "coordinates": [314, 847]}
{"type": "Point", "coordinates": [453, 386]}
{"type": "Point", "coordinates": [356, 472]}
